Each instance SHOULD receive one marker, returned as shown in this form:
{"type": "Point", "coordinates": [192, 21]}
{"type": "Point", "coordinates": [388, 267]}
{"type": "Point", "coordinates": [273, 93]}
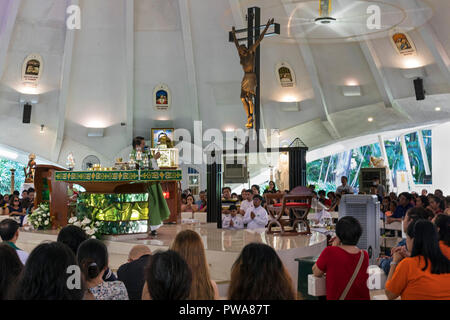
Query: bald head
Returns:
{"type": "Point", "coordinates": [137, 252]}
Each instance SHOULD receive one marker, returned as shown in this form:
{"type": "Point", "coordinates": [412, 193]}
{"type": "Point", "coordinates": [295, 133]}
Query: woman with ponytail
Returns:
{"type": "Point", "coordinates": [92, 258]}
{"type": "Point", "coordinates": [426, 274]}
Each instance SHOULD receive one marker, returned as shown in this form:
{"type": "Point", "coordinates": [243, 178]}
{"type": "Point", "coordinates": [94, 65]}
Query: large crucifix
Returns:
{"type": "Point", "coordinates": [250, 60]}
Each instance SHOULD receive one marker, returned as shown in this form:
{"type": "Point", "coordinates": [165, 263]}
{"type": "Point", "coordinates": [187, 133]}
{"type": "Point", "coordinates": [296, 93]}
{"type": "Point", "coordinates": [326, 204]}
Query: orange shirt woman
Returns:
{"type": "Point", "coordinates": [426, 274]}
{"type": "Point", "coordinates": [445, 249]}
{"type": "Point", "coordinates": [411, 283]}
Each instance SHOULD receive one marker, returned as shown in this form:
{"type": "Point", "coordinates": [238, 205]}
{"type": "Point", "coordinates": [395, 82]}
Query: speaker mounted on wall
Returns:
{"type": "Point", "coordinates": [27, 113]}
{"type": "Point", "coordinates": [418, 88]}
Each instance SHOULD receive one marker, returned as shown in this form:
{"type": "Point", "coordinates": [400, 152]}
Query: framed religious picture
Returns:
{"type": "Point", "coordinates": [403, 44]}
{"type": "Point", "coordinates": [285, 75]}
{"type": "Point", "coordinates": [162, 136]}
{"type": "Point", "coordinates": [162, 98]}
{"type": "Point", "coordinates": [32, 70]}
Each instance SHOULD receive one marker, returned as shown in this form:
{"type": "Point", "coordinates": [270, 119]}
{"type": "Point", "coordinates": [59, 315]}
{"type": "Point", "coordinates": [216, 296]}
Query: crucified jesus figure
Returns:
{"type": "Point", "coordinates": [249, 83]}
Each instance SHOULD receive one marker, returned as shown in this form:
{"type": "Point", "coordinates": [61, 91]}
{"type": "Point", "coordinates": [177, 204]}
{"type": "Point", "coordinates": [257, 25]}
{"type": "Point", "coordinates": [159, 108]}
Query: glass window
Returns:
{"type": "Point", "coordinates": [5, 175]}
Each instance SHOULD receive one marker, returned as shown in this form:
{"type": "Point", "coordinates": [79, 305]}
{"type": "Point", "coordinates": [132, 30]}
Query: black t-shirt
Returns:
{"type": "Point", "coordinates": [133, 276]}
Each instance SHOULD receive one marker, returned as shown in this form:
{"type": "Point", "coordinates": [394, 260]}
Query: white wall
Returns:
{"type": "Point", "coordinates": [441, 156]}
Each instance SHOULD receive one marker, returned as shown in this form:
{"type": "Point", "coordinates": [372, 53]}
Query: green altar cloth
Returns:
{"type": "Point", "coordinates": [158, 210]}
{"type": "Point", "coordinates": [157, 205]}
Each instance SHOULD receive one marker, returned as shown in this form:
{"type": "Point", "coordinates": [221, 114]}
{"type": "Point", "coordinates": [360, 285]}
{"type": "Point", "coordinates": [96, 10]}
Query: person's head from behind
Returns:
{"type": "Point", "coordinates": [422, 201]}
{"type": "Point", "coordinates": [344, 180]}
{"type": "Point", "coordinates": [46, 274]}
{"type": "Point", "coordinates": [226, 192]}
{"type": "Point", "coordinates": [9, 230]}
{"type": "Point", "coordinates": [233, 210]}
{"type": "Point", "coordinates": [255, 189]}
{"type": "Point", "coordinates": [322, 194]}
{"type": "Point", "coordinates": [257, 200]}
{"type": "Point", "coordinates": [442, 223]}
{"type": "Point", "coordinates": [92, 258]}
{"type": "Point", "coordinates": [72, 236]}
{"type": "Point", "coordinates": [259, 274]}
{"type": "Point", "coordinates": [138, 251]}
{"type": "Point", "coordinates": [422, 240]}
{"type": "Point", "coordinates": [10, 268]}
{"type": "Point", "coordinates": [348, 231]}
{"type": "Point", "coordinates": [415, 214]}
{"type": "Point", "coordinates": [168, 277]}
{"type": "Point", "coordinates": [189, 245]}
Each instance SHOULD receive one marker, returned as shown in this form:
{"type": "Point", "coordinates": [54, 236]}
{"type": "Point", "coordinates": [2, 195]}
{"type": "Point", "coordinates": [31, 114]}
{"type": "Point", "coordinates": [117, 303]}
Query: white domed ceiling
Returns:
{"type": "Point", "coordinates": [104, 74]}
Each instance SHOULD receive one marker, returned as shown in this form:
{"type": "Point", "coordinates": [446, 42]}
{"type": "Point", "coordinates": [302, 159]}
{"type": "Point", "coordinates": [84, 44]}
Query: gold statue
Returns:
{"type": "Point", "coordinates": [164, 140]}
{"type": "Point", "coordinates": [30, 169]}
{"type": "Point", "coordinates": [249, 83]}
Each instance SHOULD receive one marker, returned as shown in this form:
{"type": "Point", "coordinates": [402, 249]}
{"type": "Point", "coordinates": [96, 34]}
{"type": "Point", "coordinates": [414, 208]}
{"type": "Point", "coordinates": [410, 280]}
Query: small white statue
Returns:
{"type": "Point", "coordinates": [377, 162]}
{"type": "Point", "coordinates": [70, 161]}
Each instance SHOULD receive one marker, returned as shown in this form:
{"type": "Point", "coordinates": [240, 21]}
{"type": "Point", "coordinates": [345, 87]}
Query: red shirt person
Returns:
{"type": "Point", "coordinates": [340, 261]}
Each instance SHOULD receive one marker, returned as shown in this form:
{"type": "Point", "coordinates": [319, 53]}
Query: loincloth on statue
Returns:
{"type": "Point", "coordinates": [249, 83]}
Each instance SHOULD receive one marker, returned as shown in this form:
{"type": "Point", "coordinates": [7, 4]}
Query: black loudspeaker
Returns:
{"type": "Point", "coordinates": [27, 113]}
{"type": "Point", "coordinates": [418, 87]}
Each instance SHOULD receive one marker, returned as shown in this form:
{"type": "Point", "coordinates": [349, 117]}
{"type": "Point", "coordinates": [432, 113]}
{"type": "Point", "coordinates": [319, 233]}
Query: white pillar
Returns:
{"type": "Point", "coordinates": [407, 163]}
{"type": "Point", "coordinates": [424, 154]}
{"type": "Point", "coordinates": [386, 161]}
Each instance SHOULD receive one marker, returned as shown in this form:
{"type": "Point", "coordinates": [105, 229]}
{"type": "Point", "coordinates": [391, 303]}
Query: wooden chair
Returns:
{"type": "Point", "coordinates": [296, 205]}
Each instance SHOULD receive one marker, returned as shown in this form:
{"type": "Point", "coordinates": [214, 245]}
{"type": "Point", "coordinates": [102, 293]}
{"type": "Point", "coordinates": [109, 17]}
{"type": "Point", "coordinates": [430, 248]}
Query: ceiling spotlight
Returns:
{"type": "Point", "coordinates": [325, 20]}
{"type": "Point", "coordinates": [370, 119]}
{"type": "Point", "coordinates": [437, 109]}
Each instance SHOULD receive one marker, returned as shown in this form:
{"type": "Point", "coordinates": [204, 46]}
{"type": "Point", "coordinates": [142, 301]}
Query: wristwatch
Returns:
{"type": "Point", "coordinates": [393, 263]}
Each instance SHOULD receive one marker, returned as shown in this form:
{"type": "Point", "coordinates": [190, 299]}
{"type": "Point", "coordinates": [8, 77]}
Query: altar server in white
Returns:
{"type": "Point", "coordinates": [233, 221]}
{"type": "Point", "coordinates": [246, 203]}
{"type": "Point", "coordinates": [257, 217]}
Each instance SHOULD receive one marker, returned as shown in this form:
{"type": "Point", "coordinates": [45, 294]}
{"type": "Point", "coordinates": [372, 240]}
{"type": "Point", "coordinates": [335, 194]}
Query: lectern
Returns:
{"type": "Point", "coordinates": [53, 192]}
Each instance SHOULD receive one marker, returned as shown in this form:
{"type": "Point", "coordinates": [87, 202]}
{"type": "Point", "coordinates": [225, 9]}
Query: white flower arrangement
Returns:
{"type": "Point", "coordinates": [90, 227]}
{"type": "Point", "coordinates": [40, 217]}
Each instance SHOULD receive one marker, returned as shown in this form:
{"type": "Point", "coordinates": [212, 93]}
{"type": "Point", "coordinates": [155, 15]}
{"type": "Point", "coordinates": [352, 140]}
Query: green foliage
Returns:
{"type": "Point", "coordinates": [5, 175]}
{"type": "Point", "coordinates": [323, 173]}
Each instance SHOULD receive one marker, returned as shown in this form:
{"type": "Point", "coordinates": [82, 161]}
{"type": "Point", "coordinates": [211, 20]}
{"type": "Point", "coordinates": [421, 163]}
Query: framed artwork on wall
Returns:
{"type": "Point", "coordinates": [162, 98]}
{"type": "Point", "coordinates": [158, 133]}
